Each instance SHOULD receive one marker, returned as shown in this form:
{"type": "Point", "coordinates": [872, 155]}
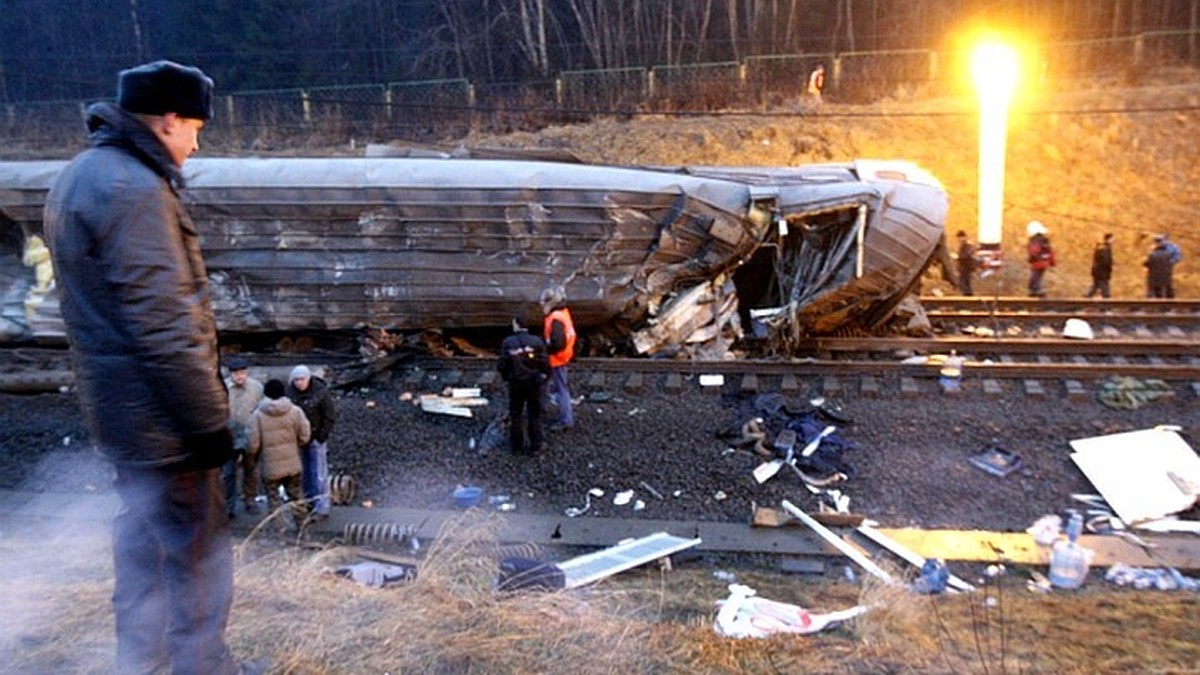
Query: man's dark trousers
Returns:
{"type": "Point", "coordinates": [525, 405]}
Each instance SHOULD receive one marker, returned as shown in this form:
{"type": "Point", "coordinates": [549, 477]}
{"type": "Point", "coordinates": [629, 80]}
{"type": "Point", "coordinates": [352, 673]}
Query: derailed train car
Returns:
{"type": "Point", "coordinates": [654, 260]}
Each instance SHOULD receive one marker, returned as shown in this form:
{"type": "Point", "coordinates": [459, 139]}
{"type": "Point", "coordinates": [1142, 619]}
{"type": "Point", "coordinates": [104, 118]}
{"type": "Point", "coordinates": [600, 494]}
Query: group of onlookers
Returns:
{"type": "Point", "coordinates": [280, 439]}
{"type": "Point", "coordinates": [1040, 256]}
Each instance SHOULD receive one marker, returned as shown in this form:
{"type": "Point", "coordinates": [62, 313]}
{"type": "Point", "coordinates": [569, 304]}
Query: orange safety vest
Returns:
{"type": "Point", "coordinates": [562, 315]}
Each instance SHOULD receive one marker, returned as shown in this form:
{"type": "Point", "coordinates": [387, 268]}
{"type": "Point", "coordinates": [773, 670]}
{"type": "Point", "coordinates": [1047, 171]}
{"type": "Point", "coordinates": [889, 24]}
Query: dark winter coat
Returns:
{"type": "Point", "coordinates": [317, 404]}
{"type": "Point", "coordinates": [1102, 262]}
{"type": "Point", "coordinates": [1159, 267]}
{"type": "Point", "coordinates": [523, 359]}
{"type": "Point", "coordinates": [966, 257]}
{"type": "Point", "coordinates": [135, 299]}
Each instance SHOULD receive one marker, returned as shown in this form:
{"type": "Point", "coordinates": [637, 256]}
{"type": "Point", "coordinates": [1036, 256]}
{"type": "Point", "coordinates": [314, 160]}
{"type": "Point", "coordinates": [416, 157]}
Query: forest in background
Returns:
{"type": "Point", "coordinates": [70, 49]}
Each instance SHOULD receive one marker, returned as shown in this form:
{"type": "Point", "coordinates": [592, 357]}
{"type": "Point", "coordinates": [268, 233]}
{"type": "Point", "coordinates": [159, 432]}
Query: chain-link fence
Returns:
{"type": "Point", "coordinates": [258, 121]}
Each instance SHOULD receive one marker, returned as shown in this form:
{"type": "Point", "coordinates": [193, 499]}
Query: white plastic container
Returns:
{"type": "Point", "coordinates": [1068, 564]}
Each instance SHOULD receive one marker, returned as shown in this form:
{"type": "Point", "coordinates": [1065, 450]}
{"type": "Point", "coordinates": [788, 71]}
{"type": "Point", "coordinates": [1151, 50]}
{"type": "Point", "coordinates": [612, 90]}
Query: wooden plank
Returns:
{"type": "Point", "coordinates": [1179, 551]}
{"type": "Point", "coordinates": [765, 516]}
{"type": "Point", "coordinates": [913, 558]}
{"type": "Point", "coordinates": [841, 545]}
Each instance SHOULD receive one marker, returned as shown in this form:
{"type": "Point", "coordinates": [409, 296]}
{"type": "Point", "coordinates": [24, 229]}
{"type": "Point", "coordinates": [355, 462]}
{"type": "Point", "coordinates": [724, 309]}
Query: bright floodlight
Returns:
{"type": "Point", "coordinates": [994, 70]}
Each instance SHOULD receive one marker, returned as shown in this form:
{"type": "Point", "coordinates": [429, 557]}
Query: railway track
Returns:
{"type": "Point", "coordinates": [1157, 339]}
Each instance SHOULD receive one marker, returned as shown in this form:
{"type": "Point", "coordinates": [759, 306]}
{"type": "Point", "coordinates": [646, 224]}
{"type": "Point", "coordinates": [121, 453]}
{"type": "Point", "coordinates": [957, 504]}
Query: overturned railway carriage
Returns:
{"type": "Point", "coordinates": [653, 260]}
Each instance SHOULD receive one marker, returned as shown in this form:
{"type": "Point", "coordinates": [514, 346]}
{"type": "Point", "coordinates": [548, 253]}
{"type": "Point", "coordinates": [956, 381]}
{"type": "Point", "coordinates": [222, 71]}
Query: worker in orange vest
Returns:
{"type": "Point", "coordinates": [559, 332]}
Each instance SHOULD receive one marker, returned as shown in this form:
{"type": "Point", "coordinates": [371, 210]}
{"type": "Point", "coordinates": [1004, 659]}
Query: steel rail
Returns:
{"type": "Point", "coordinates": [1015, 303]}
{"type": "Point", "coordinates": [824, 367]}
{"type": "Point", "coordinates": [1177, 347]}
{"type": "Point", "coordinates": [1033, 315]}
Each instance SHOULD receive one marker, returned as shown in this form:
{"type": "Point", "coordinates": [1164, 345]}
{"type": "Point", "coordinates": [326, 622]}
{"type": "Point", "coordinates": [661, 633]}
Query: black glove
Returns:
{"type": "Point", "coordinates": [208, 450]}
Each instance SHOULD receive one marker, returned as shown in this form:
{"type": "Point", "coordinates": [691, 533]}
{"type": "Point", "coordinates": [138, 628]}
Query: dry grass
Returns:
{"type": "Point", "coordinates": [291, 610]}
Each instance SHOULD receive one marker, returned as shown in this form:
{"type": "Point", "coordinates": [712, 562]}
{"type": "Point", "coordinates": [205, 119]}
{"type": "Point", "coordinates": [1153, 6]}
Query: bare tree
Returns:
{"type": "Point", "coordinates": [533, 34]}
{"type": "Point", "coordinates": [138, 46]}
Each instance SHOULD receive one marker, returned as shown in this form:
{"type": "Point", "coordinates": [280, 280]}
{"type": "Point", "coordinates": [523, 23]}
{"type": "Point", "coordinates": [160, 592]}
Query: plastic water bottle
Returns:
{"type": "Point", "coordinates": [1074, 527]}
{"type": "Point", "coordinates": [1068, 560]}
{"type": "Point", "coordinates": [951, 373]}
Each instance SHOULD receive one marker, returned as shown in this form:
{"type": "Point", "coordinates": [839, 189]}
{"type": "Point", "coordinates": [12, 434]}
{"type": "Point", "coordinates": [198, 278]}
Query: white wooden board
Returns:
{"type": "Point", "coordinates": [1140, 473]}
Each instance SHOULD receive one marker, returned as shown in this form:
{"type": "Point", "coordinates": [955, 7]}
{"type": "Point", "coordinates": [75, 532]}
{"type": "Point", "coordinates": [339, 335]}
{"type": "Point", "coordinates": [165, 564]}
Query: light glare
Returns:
{"type": "Point", "coordinates": [994, 69]}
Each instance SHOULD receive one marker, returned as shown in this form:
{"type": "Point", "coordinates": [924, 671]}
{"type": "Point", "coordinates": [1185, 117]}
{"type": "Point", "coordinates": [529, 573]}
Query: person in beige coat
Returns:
{"type": "Point", "coordinates": [278, 430]}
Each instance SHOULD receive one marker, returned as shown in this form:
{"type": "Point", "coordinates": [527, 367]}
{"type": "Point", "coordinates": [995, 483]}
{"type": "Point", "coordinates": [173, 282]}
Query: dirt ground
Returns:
{"type": "Point", "coordinates": [906, 458]}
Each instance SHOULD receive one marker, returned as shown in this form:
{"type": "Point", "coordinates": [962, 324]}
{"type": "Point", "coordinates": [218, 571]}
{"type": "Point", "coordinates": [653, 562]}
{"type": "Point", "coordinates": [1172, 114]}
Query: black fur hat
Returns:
{"type": "Point", "coordinates": [273, 389]}
{"type": "Point", "coordinates": [165, 86]}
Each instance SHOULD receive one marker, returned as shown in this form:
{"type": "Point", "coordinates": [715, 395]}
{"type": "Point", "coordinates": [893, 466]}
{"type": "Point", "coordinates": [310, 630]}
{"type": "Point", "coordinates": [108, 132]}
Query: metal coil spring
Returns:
{"type": "Point", "coordinates": [357, 534]}
{"type": "Point", "coordinates": [529, 551]}
{"type": "Point", "coordinates": [341, 489]}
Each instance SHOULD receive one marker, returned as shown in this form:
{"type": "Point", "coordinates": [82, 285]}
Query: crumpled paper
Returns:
{"type": "Point", "coordinates": [377, 575]}
{"type": "Point", "coordinates": [744, 615]}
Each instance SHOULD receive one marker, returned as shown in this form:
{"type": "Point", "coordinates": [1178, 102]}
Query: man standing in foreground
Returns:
{"type": "Point", "coordinates": [559, 332]}
{"type": "Point", "coordinates": [134, 295]}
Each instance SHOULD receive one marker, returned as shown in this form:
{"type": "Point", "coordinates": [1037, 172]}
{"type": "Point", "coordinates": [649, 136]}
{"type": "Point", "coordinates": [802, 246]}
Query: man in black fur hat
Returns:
{"type": "Point", "coordinates": [135, 299]}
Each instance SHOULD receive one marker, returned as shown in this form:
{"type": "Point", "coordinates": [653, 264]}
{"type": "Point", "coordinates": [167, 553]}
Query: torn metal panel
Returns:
{"type": "Point", "coordinates": [408, 244]}
{"type": "Point", "coordinates": [591, 567]}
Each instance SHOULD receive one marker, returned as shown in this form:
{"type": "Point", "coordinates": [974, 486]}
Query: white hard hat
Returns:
{"type": "Point", "coordinates": [1078, 329]}
{"type": "Point", "coordinates": [1035, 227]}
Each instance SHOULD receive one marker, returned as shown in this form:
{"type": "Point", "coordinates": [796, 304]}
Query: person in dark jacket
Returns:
{"type": "Point", "coordinates": [313, 396]}
{"type": "Point", "coordinates": [1159, 270]}
{"type": "Point", "coordinates": [558, 329]}
{"type": "Point", "coordinates": [966, 263]}
{"type": "Point", "coordinates": [525, 366]}
{"type": "Point", "coordinates": [1102, 265]}
{"type": "Point", "coordinates": [135, 299]}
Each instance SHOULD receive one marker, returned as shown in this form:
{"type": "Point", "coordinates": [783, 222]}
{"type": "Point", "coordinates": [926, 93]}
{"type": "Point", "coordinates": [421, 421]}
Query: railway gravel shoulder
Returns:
{"type": "Point", "coordinates": [909, 463]}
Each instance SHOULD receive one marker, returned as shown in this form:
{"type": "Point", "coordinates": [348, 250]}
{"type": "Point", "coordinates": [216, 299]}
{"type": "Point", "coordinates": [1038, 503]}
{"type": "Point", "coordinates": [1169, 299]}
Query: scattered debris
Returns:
{"type": "Point", "coordinates": [377, 575]}
{"type": "Point", "coordinates": [467, 496]}
{"type": "Point", "coordinates": [1068, 560]}
{"type": "Point", "coordinates": [1078, 329]}
{"type": "Point", "coordinates": [575, 512]}
{"type": "Point", "coordinates": [943, 576]}
{"type": "Point", "coordinates": [523, 574]}
{"type": "Point", "coordinates": [1045, 530]}
{"type": "Point", "coordinates": [591, 567]}
{"type": "Point", "coordinates": [935, 577]}
{"type": "Point", "coordinates": [648, 488]}
{"type": "Point", "coordinates": [744, 615]}
{"type": "Point", "coordinates": [1143, 475]}
{"type": "Point", "coordinates": [623, 498]}
{"type": "Point", "coordinates": [996, 460]}
{"type": "Point", "coordinates": [456, 402]}
{"type": "Point", "coordinates": [1162, 579]}
{"type": "Point", "coordinates": [847, 549]}
{"type": "Point", "coordinates": [816, 441]}
{"type": "Point", "coordinates": [763, 516]}
{"type": "Point", "coordinates": [495, 435]}
{"type": "Point", "coordinates": [1129, 393]}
